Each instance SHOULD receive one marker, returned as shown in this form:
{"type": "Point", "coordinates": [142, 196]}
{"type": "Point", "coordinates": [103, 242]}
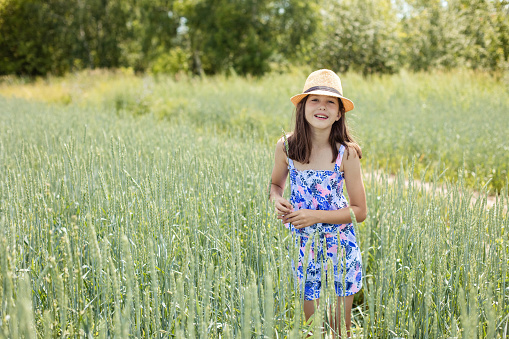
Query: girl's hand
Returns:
{"type": "Point", "coordinates": [283, 207]}
{"type": "Point", "coordinates": [301, 218]}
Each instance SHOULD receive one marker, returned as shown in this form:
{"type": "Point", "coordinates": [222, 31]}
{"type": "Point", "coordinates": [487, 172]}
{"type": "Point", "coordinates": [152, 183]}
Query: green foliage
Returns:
{"type": "Point", "coordinates": [176, 60]}
{"type": "Point", "coordinates": [450, 123]}
{"type": "Point", "coordinates": [454, 122]}
{"type": "Point", "coordinates": [32, 41]}
{"type": "Point", "coordinates": [151, 31]}
{"type": "Point", "coordinates": [250, 37]}
{"type": "Point", "coordinates": [231, 34]}
{"type": "Point", "coordinates": [456, 34]}
{"type": "Point", "coordinates": [211, 35]}
{"type": "Point", "coordinates": [40, 37]}
{"type": "Point", "coordinates": [243, 35]}
{"type": "Point", "coordinates": [445, 120]}
{"type": "Point", "coordinates": [136, 226]}
{"type": "Point", "coordinates": [360, 36]}
{"type": "Point", "coordinates": [433, 41]}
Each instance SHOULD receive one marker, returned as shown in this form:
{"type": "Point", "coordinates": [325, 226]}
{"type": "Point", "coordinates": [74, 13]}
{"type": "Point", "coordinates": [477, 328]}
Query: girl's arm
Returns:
{"type": "Point", "coordinates": [279, 175]}
{"type": "Point", "coordinates": [356, 196]}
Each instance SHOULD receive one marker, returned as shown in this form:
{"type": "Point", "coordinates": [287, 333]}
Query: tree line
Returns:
{"type": "Point", "coordinates": [40, 37]}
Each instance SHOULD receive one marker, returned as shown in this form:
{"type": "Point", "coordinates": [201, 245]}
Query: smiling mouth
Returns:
{"type": "Point", "coordinates": [321, 116]}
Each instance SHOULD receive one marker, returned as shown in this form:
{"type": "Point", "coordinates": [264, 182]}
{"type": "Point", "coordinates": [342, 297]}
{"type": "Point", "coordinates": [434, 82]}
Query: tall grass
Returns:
{"type": "Point", "coordinates": [120, 225]}
{"type": "Point", "coordinates": [454, 123]}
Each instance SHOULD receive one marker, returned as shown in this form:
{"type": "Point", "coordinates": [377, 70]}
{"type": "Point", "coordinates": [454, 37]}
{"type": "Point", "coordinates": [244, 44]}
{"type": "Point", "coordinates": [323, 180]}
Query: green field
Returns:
{"type": "Point", "coordinates": [452, 123]}
{"type": "Point", "coordinates": [138, 206]}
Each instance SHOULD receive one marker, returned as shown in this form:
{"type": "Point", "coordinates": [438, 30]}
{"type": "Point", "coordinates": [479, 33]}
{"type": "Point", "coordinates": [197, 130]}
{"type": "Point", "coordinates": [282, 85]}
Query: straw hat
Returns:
{"type": "Point", "coordinates": [323, 82]}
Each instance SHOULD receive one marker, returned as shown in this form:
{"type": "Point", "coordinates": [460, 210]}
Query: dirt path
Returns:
{"type": "Point", "coordinates": [379, 176]}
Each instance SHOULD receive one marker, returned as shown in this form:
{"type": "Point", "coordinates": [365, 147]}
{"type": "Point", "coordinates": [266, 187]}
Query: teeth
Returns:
{"type": "Point", "coordinates": [321, 116]}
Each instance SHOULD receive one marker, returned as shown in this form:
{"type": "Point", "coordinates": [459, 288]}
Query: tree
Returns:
{"type": "Point", "coordinates": [243, 35]}
{"type": "Point", "coordinates": [359, 35]}
{"type": "Point", "coordinates": [151, 30]}
{"type": "Point", "coordinates": [432, 35]}
{"type": "Point", "coordinates": [38, 37]}
{"type": "Point", "coordinates": [456, 33]}
{"type": "Point", "coordinates": [485, 30]}
{"type": "Point", "coordinates": [32, 37]}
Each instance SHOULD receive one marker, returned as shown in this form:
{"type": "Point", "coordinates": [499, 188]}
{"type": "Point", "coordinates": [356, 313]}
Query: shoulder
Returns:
{"type": "Point", "coordinates": [280, 145]}
{"type": "Point", "coordinates": [281, 153]}
{"type": "Point", "coordinates": [282, 139]}
{"type": "Point", "coordinates": [352, 151]}
{"type": "Point", "coordinates": [351, 159]}
{"type": "Point", "coordinates": [351, 163]}
{"type": "Point", "coordinates": [281, 142]}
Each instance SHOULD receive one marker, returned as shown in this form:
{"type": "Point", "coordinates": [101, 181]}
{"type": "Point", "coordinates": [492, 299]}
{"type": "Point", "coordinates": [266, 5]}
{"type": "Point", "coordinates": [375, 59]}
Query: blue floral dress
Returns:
{"type": "Point", "coordinates": [323, 190]}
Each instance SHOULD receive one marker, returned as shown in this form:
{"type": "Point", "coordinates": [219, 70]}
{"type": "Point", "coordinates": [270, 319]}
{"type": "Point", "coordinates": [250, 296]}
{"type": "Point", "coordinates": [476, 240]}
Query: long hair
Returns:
{"type": "Point", "coordinates": [299, 143]}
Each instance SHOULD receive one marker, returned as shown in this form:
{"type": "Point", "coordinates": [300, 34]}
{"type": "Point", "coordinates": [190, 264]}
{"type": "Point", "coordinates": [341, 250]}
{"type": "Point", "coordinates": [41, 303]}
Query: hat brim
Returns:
{"type": "Point", "coordinates": [346, 102]}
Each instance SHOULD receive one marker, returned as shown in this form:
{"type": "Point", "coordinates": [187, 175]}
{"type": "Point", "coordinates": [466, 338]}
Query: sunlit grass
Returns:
{"type": "Point", "coordinates": [122, 224]}
{"type": "Point", "coordinates": [455, 123]}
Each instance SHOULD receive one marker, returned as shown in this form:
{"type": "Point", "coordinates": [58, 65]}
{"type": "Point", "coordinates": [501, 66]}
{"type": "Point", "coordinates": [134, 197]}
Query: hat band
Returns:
{"type": "Point", "coordinates": [323, 88]}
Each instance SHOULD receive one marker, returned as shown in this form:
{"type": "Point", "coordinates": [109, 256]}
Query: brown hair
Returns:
{"type": "Point", "coordinates": [299, 143]}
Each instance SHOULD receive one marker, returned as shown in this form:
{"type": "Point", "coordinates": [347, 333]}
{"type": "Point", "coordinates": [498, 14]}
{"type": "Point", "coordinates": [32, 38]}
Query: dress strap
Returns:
{"type": "Point", "coordinates": [340, 157]}
{"type": "Point", "coordinates": [290, 164]}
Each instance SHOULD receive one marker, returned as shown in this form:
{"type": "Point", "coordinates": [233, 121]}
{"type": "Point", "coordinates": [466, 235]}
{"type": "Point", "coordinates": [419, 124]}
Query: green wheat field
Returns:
{"type": "Point", "coordinates": [137, 207]}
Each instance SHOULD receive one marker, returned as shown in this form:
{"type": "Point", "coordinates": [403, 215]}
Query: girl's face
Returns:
{"type": "Point", "coordinates": [321, 111]}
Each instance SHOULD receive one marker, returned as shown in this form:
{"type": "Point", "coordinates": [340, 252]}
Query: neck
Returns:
{"type": "Point", "coordinates": [320, 138]}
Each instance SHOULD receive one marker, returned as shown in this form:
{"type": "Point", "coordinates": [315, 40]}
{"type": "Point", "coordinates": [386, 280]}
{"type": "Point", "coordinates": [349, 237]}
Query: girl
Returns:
{"type": "Point", "coordinates": [320, 155]}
